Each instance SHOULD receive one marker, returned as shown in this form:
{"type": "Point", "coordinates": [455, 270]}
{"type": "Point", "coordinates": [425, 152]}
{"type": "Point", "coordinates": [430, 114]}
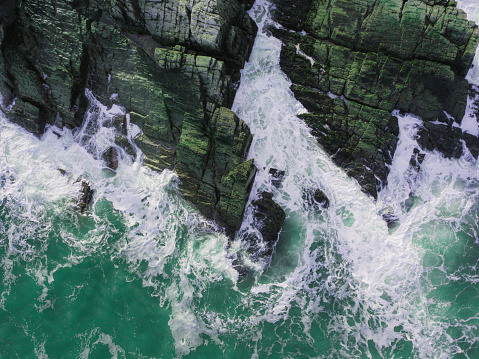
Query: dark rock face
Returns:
{"type": "Point", "coordinates": [173, 66]}
{"type": "Point", "coordinates": [359, 60]}
{"type": "Point", "coordinates": [111, 158]}
{"type": "Point", "coordinates": [447, 140]}
{"type": "Point", "coordinates": [268, 219]}
{"type": "Point", "coordinates": [390, 218]}
{"type": "Point", "coordinates": [276, 176]}
{"type": "Point", "coordinates": [86, 192]}
{"type": "Point", "coordinates": [247, 3]}
{"type": "Point", "coordinates": [292, 14]}
{"type": "Point", "coordinates": [316, 198]}
{"type": "Point", "coordinates": [416, 160]}
{"type": "Point", "coordinates": [321, 198]}
{"type": "Point", "coordinates": [86, 196]}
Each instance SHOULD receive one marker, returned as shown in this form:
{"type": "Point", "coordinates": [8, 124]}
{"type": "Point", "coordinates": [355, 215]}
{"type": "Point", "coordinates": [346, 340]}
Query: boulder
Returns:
{"type": "Point", "coordinates": [171, 64]}
{"type": "Point", "coordinates": [86, 196]}
{"type": "Point", "coordinates": [86, 192]}
{"type": "Point", "coordinates": [316, 198]}
{"type": "Point", "coordinates": [321, 198]}
{"type": "Point", "coordinates": [268, 220]}
{"type": "Point", "coordinates": [417, 158]}
{"type": "Point", "coordinates": [391, 219]}
{"type": "Point", "coordinates": [276, 176]}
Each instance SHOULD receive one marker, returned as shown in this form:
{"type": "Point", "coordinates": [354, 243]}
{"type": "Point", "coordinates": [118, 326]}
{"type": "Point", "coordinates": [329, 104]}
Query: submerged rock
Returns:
{"type": "Point", "coordinates": [358, 61]}
{"type": "Point", "coordinates": [124, 143]}
{"type": "Point", "coordinates": [391, 219]}
{"type": "Point", "coordinates": [321, 198]}
{"type": "Point", "coordinates": [86, 192]}
{"type": "Point", "coordinates": [269, 217]}
{"type": "Point", "coordinates": [316, 197]}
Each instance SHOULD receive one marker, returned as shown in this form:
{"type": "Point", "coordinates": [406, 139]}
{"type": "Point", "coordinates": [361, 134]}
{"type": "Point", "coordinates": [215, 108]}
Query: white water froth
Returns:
{"type": "Point", "coordinates": [101, 339]}
{"type": "Point", "coordinates": [350, 227]}
{"type": "Point", "coordinates": [379, 277]}
{"type": "Point", "coordinates": [161, 228]}
{"type": "Point", "coordinates": [471, 8]}
{"type": "Point", "coordinates": [469, 123]}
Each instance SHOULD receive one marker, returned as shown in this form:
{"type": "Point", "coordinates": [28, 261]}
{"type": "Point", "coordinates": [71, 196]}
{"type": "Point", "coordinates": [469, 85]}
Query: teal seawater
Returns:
{"type": "Point", "coordinates": [60, 300]}
{"type": "Point", "coordinates": [142, 275]}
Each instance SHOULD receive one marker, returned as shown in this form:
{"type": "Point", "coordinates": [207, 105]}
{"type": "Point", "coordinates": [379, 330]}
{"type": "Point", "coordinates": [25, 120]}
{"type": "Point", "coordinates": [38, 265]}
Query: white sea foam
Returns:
{"type": "Point", "coordinates": [40, 351]}
{"type": "Point", "coordinates": [469, 123]}
{"type": "Point", "coordinates": [155, 215]}
{"type": "Point", "coordinates": [379, 274]}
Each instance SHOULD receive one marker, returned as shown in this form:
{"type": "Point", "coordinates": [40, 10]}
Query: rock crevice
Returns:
{"type": "Point", "coordinates": [353, 62]}
{"type": "Point", "coordinates": [172, 65]}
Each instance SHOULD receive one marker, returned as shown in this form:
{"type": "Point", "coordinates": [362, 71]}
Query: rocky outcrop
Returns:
{"type": "Point", "coordinates": [173, 65]}
{"type": "Point", "coordinates": [353, 62]}
{"type": "Point", "coordinates": [110, 156]}
{"type": "Point", "coordinates": [86, 192]}
{"type": "Point", "coordinates": [268, 221]}
{"type": "Point", "coordinates": [86, 196]}
{"type": "Point", "coordinates": [316, 198]}
{"type": "Point", "coordinates": [276, 176]}
{"type": "Point", "coordinates": [321, 198]}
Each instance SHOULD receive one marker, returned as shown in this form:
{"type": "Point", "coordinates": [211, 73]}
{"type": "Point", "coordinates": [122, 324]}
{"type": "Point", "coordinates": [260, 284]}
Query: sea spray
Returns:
{"type": "Point", "coordinates": [142, 274]}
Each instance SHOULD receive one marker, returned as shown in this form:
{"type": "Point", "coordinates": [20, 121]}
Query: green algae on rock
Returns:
{"type": "Point", "coordinates": [373, 57]}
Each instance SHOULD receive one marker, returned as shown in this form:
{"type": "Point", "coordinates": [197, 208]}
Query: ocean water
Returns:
{"type": "Point", "coordinates": [142, 275]}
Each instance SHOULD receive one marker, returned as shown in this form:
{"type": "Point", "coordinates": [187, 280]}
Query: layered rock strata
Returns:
{"type": "Point", "coordinates": [352, 62]}
{"type": "Point", "coordinates": [174, 66]}
{"type": "Point", "coordinates": [268, 220]}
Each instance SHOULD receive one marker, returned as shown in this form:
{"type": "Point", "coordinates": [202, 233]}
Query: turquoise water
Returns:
{"type": "Point", "coordinates": [143, 275]}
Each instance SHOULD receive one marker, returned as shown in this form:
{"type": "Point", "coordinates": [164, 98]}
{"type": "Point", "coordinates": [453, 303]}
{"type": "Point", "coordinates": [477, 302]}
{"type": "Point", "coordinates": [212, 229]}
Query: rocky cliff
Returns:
{"type": "Point", "coordinates": [173, 64]}
{"type": "Point", "coordinates": [352, 62]}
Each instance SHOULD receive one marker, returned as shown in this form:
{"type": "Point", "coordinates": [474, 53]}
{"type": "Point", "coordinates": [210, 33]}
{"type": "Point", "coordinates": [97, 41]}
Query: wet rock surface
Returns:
{"type": "Point", "coordinates": [172, 64]}
{"type": "Point", "coordinates": [268, 220]}
{"type": "Point", "coordinates": [276, 176]}
{"type": "Point", "coordinates": [111, 158]}
{"type": "Point", "coordinates": [416, 160]}
{"type": "Point", "coordinates": [447, 139]}
{"type": "Point", "coordinates": [86, 196]}
{"type": "Point", "coordinates": [316, 198]}
{"type": "Point", "coordinates": [321, 198]}
{"type": "Point", "coordinates": [353, 62]}
{"type": "Point", "coordinates": [391, 219]}
{"type": "Point", "coordinates": [86, 192]}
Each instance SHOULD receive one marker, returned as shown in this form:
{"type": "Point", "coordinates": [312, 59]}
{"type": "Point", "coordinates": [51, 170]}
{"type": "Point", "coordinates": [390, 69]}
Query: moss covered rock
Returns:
{"type": "Point", "coordinates": [171, 64]}
{"type": "Point", "coordinates": [359, 60]}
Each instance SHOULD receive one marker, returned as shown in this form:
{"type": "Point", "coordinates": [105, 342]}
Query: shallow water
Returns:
{"type": "Point", "coordinates": [142, 275]}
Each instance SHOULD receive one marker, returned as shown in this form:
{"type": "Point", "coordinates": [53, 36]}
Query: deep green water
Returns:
{"type": "Point", "coordinates": [142, 275]}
